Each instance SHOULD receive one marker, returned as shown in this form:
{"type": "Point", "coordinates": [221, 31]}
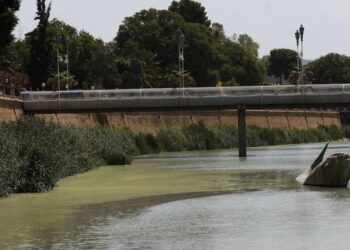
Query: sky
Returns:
{"type": "Point", "coordinates": [271, 23]}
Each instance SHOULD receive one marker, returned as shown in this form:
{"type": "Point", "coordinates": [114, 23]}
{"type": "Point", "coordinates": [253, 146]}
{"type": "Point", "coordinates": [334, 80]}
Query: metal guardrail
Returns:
{"type": "Point", "coordinates": [257, 96]}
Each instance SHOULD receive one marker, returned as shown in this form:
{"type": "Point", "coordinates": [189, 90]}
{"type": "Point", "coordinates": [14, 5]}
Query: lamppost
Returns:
{"type": "Point", "coordinates": [182, 71]}
{"type": "Point", "coordinates": [299, 36]}
{"type": "Point", "coordinates": [301, 31]}
{"type": "Point", "coordinates": [67, 58]}
{"type": "Point", "coordinates": [59, 60]}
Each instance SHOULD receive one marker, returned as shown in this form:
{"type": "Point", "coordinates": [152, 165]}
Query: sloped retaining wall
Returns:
{"type": "Point", "coordinates": [152, 122]}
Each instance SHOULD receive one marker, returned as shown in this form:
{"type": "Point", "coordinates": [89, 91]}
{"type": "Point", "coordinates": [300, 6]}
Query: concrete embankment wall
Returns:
{"type": "Point", "coordinates": [10, 110]}
{"type": "Point", "coordinates": [152, 122]}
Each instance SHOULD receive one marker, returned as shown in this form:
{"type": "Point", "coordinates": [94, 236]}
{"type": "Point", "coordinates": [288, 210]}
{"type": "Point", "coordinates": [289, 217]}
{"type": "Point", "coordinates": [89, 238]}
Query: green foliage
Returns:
{"type": "Point", "coordinates": [8, 21]}
{"type": "Point", "coordinates": [246, 69]}
{"type": "Point", "coordinates": [225, 136]}
{"type": "Point", "coordinates": [274, 136]}
{"type": "Point", "coordinates": [10, 162]}
{"type": "Point", "coordinates": [147, 143]}
{"type": "Point", "coordinates": [249, 45]}
{"type": "Point", "coordinates": [209, 55]}
{"type": "Point", "coordinates": [191, 11]}
{"type": "Point", "coordinates": [332, 68]}
{"type": "Point", "coordinates": [171, 140]}
{"type": "Point", "coordinates": [226, 73]}
{"type": "Point", "coordinates": [35, 154]}
{"type": "Point", "coordinates": [218, 32]}
{"type": "Point", "coordinates": [335, 132]}
{"type": "Point", "coordinates": [200, 54]}
{"type": "Point", "coordinates": [40, 47]}
{"type": "Point", "coordinates": [199, 137]}
{"type": "Point", "coordinates": [282, 62]}
{"type": "Point", "coordinates": [113, 147]}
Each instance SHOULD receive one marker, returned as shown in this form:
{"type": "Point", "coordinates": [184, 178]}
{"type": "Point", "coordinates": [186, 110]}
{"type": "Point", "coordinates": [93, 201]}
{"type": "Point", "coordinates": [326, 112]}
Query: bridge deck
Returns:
{"type": "Point", "coordinates": [218, 97]}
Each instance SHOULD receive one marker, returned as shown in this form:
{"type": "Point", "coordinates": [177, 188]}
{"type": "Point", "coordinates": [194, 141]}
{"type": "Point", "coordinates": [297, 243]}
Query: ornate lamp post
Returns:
{"type": "Point", "coordinates": [301, 31]}
{"type": "Point", "coordinates": [66, 59]}
{"type": "Point", "coordinates": [181, 59]}
{"type": "Point", "coordinates": [299, 36]}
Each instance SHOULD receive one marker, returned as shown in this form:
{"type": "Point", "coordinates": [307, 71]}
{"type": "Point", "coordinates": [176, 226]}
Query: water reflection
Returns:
{"type": "Point", "coordinates": [293, 219]}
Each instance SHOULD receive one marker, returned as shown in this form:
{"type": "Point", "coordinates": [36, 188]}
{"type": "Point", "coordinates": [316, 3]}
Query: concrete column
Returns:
{"type": "Point", "coordinates": [242, 131]}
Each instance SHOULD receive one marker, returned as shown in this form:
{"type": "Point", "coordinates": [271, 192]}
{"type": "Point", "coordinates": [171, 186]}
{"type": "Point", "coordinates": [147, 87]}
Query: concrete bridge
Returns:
{"type": "Point", "coordinates": [242, 98]}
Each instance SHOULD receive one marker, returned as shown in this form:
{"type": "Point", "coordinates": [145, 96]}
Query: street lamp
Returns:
{"type": "Point", "coordinates": [181, 58]}
{"type": "Point", "coordinates": [301, 31]}
{"type": "Point", "coordinates": [299, 36]}
{"type": "Point", "coordinates": [67, 57]}
{"type": "Point", "coordinates": [59, 60]}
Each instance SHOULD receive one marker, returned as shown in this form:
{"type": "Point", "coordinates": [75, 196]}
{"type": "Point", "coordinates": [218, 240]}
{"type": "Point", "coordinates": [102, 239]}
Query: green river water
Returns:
{"type": "Point", "coordinates": [191, 200]}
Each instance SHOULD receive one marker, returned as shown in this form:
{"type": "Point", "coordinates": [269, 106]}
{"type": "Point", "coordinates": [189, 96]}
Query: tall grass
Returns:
{"type": "Point", "coordinates": [35, 154]}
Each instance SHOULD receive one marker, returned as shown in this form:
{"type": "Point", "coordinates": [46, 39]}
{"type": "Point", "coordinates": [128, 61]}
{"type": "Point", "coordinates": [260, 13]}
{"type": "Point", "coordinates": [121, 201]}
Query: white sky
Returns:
{"type": "Point", "coordinates": [272, 23]}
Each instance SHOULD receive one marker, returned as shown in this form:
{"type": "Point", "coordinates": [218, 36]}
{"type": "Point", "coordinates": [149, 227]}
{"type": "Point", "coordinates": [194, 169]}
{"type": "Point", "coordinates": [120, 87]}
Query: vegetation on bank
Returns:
{"type": "Point", "coordinates": [35, 154]}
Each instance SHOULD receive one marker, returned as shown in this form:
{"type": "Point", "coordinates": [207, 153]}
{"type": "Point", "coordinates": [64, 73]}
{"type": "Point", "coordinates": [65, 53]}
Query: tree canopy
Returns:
{"type": "Point", "coordinates": [8, 21]}
{"type": "Point", "coordinates": [210, 57]}
{"type": "Point", "coordinates": [282, 62]}
{"type": "Point", "coordinates": [331, 68]}
{"type": "Point", "coordinates": [191, 11]}
{"type": "Point", "coordinates": [40, 58]}
{"type": "Point", "coordinates": [249, 45]}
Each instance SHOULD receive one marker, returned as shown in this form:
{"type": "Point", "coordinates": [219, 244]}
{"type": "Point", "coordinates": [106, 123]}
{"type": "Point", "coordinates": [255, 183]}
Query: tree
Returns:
{"type": "Point", "coordinates": [8, 21]}
{"type": "Point", "coordinates": [209, 56]}
{"type": "Point", "coordinates": [218, 32]}
{"type": "Point", "coordinates": [331, 68]}
{"type": "Point", "coordinates": [150, 69]}
{"type": "Point", "coordinates": [91, 61]}
{"type": "Point", "coordinates": [150, 30]}
{"type": "Point", "coordinates": [248, 45]}
{"type": "Point", "coordinates": [40, 58]}
{"type": "Point", "coordinates": [199, 54]}
{"type": "Point", "coordinates": [191, 11]}
{"type": "Point", "coordinates": [282, 62]}
{"type": "Point", "coordinates": [246, 69]}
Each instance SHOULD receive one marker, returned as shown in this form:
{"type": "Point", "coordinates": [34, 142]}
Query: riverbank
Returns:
{"type": "Point", "coordinates": [35, 155]}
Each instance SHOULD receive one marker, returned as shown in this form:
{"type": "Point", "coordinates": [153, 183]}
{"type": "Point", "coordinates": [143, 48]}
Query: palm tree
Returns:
{"type": "Point", "coordinates": [150, 69]}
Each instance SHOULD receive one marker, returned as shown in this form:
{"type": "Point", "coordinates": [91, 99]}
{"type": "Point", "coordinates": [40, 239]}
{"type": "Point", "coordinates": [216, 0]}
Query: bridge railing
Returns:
{"type": "Point", "coordinates": [10, 91]}
{"type": "Point", "coordinates": [188, 97]}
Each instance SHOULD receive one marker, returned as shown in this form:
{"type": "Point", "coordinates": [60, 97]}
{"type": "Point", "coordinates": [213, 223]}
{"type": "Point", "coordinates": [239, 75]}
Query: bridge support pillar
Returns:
{"type": "Point", "coordinates": [242, 131]}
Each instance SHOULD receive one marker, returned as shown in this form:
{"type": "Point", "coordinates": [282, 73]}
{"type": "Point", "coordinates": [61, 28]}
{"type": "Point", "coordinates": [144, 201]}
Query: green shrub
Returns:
{"type": "Point", "coordinates": [35, 154]}
{"type": "Point", "coordinates": [147, 143]}
{"type": "Point", "coordinates": [113, 147]}
{"type": "Point", "coordinates": [10, 162]}
{"type": "Point", "coordinates": [225, 136]}
{"type": "Point", "coordinates": [199, 137]}
{"type": "Point", "coordinates": [334, 132]}
{"type": "Point", "coordinates": [171, 140]}
{"type": "Point", "coordinates": [254, 137]}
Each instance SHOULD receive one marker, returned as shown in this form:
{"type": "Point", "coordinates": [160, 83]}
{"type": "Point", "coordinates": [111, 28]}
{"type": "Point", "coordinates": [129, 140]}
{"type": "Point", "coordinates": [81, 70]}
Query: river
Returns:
{"type": "Point", "coordinates": [191, 200]}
